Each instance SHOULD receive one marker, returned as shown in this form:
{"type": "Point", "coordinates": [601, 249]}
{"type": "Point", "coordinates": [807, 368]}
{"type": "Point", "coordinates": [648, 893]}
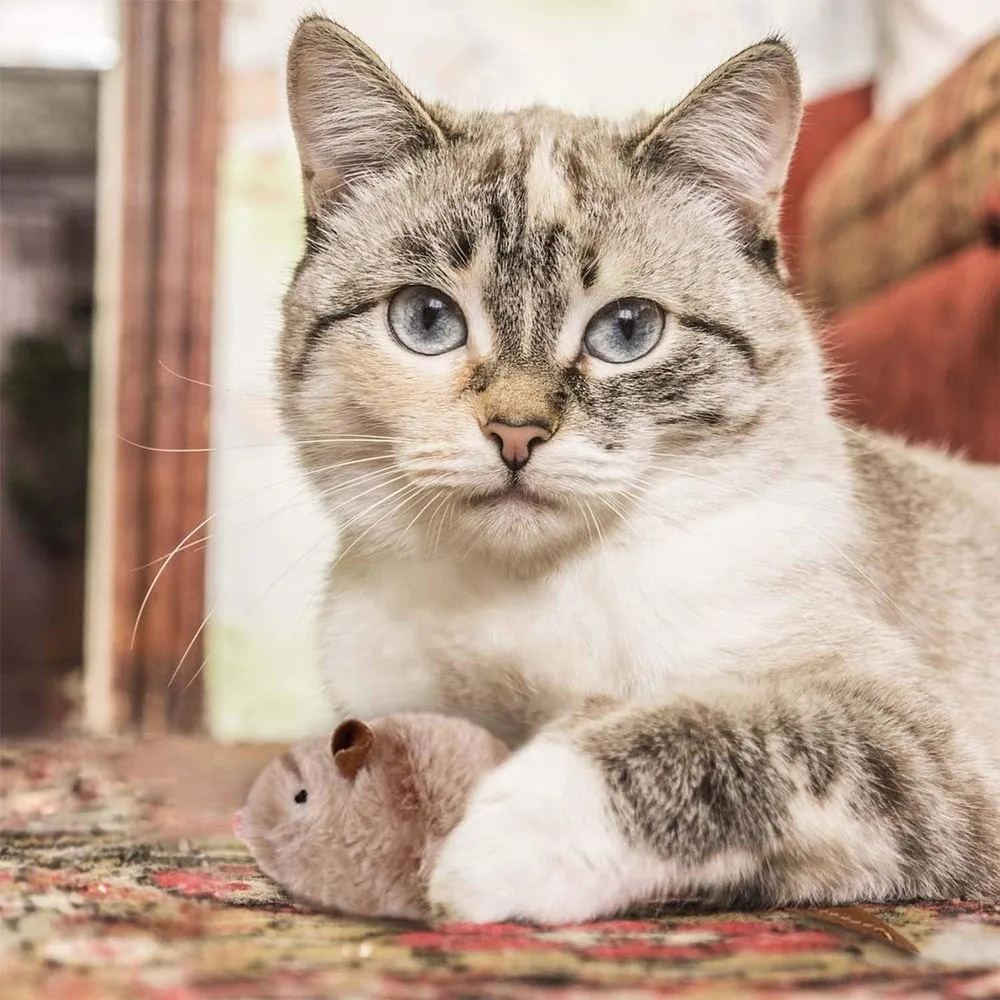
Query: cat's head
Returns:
{"type": "Point", "coordinates": [512, 333]}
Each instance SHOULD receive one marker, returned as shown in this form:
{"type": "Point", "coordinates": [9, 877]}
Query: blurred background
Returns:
{"type": "Point", "coordinates": [150, 217]}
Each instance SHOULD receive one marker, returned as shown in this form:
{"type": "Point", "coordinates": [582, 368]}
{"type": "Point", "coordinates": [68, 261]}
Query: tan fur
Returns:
{"type": "Point", "coordinates": [365, 845]}
{"type": "Point", "coordinates": [700, 527]}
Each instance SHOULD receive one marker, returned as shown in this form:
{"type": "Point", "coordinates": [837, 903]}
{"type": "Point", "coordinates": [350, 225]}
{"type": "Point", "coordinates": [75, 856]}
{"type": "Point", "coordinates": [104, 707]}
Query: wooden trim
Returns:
{"type": "Point", "coordinates": [172, 128]}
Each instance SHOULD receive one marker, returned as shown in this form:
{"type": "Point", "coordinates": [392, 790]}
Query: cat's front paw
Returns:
{"type": "Point", "coordinates": [538, 843]}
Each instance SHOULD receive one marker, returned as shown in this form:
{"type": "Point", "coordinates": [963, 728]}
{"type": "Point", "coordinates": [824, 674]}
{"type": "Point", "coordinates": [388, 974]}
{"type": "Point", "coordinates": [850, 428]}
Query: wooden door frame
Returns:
{"type": "Point", "coordinates": [158, 155]}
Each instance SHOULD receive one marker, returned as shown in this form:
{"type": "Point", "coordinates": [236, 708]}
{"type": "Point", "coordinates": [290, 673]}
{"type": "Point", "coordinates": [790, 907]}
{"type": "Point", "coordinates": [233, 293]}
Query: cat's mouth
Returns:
{"type": "Point", "coordinates": [515, 494]}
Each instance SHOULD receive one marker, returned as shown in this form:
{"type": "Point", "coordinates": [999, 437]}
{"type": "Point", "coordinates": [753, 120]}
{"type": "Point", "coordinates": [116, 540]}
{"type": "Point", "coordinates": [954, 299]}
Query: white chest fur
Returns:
{"type": "Point", "coordinates": [630, 618]}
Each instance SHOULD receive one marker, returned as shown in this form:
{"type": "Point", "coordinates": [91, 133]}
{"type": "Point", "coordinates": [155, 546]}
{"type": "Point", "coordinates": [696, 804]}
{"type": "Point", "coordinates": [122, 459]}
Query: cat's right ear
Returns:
{"type": "Point", "coordinates": [734, 133]}
{"type": "Point", "coordinates": [351, 115]}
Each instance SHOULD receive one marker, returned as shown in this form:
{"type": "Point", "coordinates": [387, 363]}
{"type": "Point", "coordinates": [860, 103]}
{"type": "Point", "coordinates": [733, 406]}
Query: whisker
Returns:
{"type": "Point", "coordinates": [437, 538]}
{"type": "Point", "coordinates": [378, 503]}
{"type": "Point", "coordinates": [409, 494]}
{"type": "Point", "coordinates": [281, 442]}
{"type": "Point", "coordinates": [621, 514]}
{"type": "Point", "coordinates": [579, 507]}
{"type": "Point", "coordinates": [195, 381]}
{"type": "Point", "coordinates": [190, 645]}
{"type": "Point", "coordinates": [303, 496]}
{"type": "Point", "coordinates": [195, 675]}
{"type": "Point", "coordinates": [177, 548]}
{"type": "Point", "coordinates": [417, 515]}
{"type": "Point", "coordinates": [394, 478]}
{"type": "Point", "coordinates": [442, 509]}
{"type": "Point", "coordinates": [192, 546]}
{"type": "Point", "coordinates": [597, 524]}
{"type": "Point", "coordinates": [161, 571]}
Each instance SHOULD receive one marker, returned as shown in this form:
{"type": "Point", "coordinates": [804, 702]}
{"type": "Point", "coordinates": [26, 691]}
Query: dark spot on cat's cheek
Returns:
{"type": "Point", "coordinates": [736, 339]}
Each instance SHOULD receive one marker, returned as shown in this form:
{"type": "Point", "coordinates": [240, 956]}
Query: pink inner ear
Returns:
{"type": "Point", "coordinates": [238, 824]}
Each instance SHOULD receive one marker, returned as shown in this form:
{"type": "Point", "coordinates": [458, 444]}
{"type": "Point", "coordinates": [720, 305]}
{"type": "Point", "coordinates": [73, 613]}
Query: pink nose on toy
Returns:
{"type": "Point", "coordinates": [516, 440]}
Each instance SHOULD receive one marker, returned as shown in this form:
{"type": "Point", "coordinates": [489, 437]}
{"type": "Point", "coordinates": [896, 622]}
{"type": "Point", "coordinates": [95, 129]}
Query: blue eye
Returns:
{"type": "Point", "coordinates": [624, 330]}
{"type": "Point", "coordinates": [426, 321]}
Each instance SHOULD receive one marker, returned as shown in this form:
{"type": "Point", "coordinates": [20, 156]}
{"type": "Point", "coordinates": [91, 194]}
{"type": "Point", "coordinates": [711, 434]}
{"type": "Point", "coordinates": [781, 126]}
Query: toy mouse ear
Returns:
{"type": "Point", "coordinates": [352, 742]}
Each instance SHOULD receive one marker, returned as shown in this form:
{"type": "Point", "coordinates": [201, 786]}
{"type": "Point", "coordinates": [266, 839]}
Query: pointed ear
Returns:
{"type": "Point", "coordinates": [351, 115]}
{"type": "Point", "coordinates": [735, 131]}
{"type": "Point", "coordinates": [350, 745]}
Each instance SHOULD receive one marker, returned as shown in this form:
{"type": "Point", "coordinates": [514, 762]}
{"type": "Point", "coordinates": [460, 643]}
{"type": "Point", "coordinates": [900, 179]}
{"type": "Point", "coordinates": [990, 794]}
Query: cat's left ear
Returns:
{"type": "Point", "coordinates": [735, 132]}
{"type": "Point", "coordinates": [352, 116]}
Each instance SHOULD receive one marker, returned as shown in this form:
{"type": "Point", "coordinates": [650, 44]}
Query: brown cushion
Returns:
{"type": "Point", "coordinates": [901, 194]}
{"type": "Point", "coordinates": [828, 123]}
{"type": "Point", "coordinates": [922, 359]}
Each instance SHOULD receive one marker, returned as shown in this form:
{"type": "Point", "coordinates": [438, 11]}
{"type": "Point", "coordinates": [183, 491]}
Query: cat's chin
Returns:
{"type": "Point", "coordinates": [511, 498]}
{"type": "Point", "coordinates": [518, 526]}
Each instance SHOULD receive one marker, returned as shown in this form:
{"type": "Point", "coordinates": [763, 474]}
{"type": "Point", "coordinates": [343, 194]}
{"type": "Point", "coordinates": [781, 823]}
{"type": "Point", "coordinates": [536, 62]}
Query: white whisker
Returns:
{"type": "Point", "coordinates": [259, 444]}
{"type": "Point", "coordinates": [190, 645]}
{"type": "Point", "coordinates": [417, 515]}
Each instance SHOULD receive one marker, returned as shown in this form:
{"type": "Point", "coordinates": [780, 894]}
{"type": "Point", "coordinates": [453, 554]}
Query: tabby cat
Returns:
{"type": "Point", "coordinates": [547, 377]}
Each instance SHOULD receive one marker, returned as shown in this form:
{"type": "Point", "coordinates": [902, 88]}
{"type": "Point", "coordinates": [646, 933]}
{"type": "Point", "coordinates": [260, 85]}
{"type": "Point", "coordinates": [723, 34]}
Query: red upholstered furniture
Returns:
{"type": "Point", "coordinates": [892, 235]}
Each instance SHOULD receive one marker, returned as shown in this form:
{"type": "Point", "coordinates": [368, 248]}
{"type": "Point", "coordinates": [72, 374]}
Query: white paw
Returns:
{"type": "Point", "coordinates": [539, 843]}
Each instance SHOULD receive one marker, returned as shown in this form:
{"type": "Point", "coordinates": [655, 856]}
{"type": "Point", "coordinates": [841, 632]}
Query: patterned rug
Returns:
{"type": "Point", "coordinates": [117, 883]}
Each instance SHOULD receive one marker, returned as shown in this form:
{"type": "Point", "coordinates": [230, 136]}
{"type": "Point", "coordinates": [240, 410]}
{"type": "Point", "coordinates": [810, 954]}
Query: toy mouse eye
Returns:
{"type": "Point", "coordinates": [301, 796]}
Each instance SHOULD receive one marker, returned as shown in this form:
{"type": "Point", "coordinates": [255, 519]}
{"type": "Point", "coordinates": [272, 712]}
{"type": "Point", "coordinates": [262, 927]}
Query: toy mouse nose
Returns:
{"type": "Point", "coordinates": [517, 440]}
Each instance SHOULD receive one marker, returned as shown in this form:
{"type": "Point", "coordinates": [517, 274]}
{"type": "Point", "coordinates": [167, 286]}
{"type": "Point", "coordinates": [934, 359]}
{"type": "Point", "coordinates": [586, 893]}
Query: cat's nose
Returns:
{"type": "Point", "coordinates": [517, 440]}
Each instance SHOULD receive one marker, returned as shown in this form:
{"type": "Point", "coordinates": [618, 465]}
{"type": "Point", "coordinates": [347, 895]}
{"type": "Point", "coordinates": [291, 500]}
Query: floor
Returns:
{"type": "Point", "coordinates": [119, 879]}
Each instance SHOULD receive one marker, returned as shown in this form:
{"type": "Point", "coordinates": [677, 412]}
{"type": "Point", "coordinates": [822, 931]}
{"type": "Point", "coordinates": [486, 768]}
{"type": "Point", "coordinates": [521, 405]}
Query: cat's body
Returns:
{"type": "Point", "coordinates": [546, 374]}
{"type": "Point", "coordinates": [893, 546]}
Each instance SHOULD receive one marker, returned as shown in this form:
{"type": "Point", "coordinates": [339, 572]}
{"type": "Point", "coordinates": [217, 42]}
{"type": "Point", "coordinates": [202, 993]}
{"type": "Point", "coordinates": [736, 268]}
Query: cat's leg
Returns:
{"type": "Point", "coordinates": [792, 790]}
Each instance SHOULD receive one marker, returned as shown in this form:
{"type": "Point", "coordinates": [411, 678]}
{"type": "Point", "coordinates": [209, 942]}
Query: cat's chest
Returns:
{"type": "Point", "coordinates": [513, 654]}
{"type": "Point", "coordinates": [508, 659]}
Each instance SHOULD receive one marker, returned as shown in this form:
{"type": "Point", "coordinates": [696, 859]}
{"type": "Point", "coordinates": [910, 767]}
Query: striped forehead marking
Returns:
{"type": "Point", "coordinates": [526, 290]}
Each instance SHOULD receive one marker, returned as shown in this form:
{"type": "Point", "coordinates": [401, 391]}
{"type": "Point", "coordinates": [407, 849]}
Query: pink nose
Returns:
{"type": "Point", "coordinates": [516, 441]}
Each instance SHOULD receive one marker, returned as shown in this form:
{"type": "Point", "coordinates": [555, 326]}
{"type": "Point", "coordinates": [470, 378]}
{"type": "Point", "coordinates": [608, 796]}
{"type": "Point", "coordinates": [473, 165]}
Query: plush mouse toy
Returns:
{"type": "Point", "coordinates": [354, 823]}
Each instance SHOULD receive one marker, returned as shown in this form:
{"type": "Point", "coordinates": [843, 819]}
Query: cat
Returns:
{"type": "Point", "coordinates": [548, 379]}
